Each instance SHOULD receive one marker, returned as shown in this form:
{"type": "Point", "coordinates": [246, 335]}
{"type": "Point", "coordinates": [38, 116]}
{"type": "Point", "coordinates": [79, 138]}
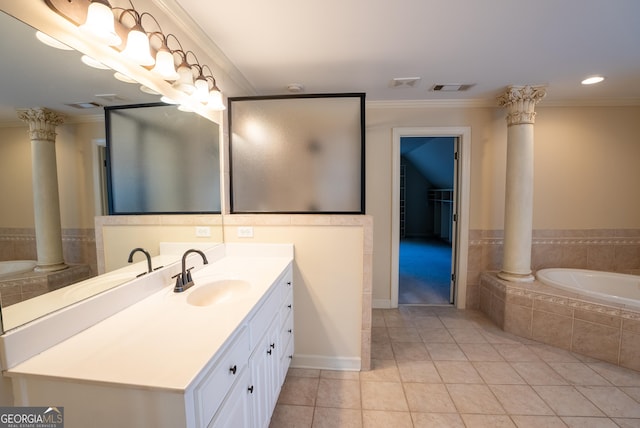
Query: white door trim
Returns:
{"type": "Point", "coordinates": [464, 180]}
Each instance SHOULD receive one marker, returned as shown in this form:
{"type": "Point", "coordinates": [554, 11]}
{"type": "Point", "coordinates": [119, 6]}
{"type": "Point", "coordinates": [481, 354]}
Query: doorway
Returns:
{"type": "Point", "coordinates": [427, 194]}
{"type": "Point", "coordinates": [431, 242]}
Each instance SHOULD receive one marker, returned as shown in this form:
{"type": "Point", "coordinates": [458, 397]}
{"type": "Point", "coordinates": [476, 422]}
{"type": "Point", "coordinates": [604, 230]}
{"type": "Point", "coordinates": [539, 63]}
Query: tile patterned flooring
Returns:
{"type": "Point", "coordinates": [440, 367]}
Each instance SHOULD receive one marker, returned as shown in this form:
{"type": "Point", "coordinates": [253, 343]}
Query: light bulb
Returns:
{"type": "Point", "coordinates": [138, 48]}
{"type": "Point", "coordinates": [165, 68]}
{"type": "Point", "coordinates": [100, 23]}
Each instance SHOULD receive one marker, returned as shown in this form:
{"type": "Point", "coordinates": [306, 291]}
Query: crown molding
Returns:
{"type": "Point", "coordinates": [188, 26]}
{"type": "Point", "coordinates": [491, 102]}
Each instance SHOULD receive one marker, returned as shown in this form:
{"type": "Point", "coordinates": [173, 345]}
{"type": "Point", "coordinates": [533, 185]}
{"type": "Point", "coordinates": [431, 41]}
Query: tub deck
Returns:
{"type": "Point", "coordinates": [568, 320]}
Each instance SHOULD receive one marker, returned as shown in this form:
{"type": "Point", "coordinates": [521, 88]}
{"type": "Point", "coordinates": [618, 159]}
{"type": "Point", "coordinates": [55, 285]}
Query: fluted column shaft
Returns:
{"type": "Point", "coordinates": [46, 202]}
{"type": "Point", "coordinates": [520, 102]}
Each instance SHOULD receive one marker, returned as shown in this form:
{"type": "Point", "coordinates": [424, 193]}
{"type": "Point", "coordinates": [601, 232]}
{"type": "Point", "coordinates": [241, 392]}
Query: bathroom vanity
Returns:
{"type": "Point", "coordinates": [215, 355]}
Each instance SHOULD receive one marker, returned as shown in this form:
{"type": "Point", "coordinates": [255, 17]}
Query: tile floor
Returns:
{"type": "Point", "coordinates": [440, 367]}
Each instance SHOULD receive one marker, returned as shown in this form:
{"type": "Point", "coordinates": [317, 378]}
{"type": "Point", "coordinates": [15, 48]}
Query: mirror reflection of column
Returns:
{"type": "Point", "coordinates": [46, 201]}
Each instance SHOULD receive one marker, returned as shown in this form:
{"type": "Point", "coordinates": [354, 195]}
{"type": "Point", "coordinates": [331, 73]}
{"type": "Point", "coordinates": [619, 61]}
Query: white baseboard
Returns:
{"type": "Point", "coordinates": [381, 304]}
{"type": "Point", "coordinates": [325, 363]}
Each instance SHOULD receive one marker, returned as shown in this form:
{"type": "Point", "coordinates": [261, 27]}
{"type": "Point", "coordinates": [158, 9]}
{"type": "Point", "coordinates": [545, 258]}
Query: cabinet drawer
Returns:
{"type": "Point", "coordinates": [286, 332]}
{"type": "Point", "coordinates": [262, 318]}
{"type": "Point", "coordinates": [287, 306]}
{"type": "Point", "coordinates": [210, 393]}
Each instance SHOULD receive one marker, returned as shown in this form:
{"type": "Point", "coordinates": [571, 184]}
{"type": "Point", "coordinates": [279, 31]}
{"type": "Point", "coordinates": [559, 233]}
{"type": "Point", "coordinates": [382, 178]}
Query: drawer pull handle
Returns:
{"type": "Point", "coordinates": [250, 389]}
{"type": "Point", "coordinates": [289, 331]}
{"type": "Point", "coordinates": [291, 357]}
{"type": "Point", "coordinates": [268, 351]}
{"type": "Point", "coordinates": [273, 345]}
{"type": "Point", "coordinates": [288, 282]}
{"type": "Point", "coordinates": [289, 306]}
{"type": "Point", "coordinates": [233, 369]}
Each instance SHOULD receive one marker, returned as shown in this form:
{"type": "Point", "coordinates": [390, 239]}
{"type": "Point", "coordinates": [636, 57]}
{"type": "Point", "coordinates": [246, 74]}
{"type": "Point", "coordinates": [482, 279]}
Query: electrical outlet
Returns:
{"type": "Point", "coordinates": [245, 232]}
{"type": "Point", "coordinates": [203, 231]}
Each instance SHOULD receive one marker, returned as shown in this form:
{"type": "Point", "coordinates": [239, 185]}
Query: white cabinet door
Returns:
{"type": "Point", "coordinates": [236, 411]}
{"type": "Point", "coordinates": [264, 368]}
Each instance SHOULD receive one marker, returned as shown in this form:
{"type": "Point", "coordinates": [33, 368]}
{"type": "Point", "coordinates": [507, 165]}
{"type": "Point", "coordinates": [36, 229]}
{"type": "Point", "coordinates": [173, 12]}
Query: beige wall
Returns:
{"type": "Point", "coordinates": [74, 145]}
{"type": "Point", "coordinates": [332, 265]}
{"type": "Point", "coordinates": [586, 169]}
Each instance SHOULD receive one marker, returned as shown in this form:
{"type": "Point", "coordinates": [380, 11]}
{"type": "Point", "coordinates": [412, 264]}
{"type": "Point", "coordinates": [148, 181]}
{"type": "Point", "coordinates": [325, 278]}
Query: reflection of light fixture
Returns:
{"type": "Point", "coordinates": [100, 23]}
{"type": "Point", "coordinates": [168, 100]}
{"type": "Point", "coordinates": [124, 78]}
{"type": "Point", "coordinates": [592, 80]}
{"type": "Point", "coordinates": [148, 90]}
{"type": "Point", "coordinates": [50, 41]}
{"type": "Point", "coordinates": [91, 62]}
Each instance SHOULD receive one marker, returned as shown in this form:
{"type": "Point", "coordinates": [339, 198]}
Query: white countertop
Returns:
{"type": "Point", "coordinates": [161, 341]}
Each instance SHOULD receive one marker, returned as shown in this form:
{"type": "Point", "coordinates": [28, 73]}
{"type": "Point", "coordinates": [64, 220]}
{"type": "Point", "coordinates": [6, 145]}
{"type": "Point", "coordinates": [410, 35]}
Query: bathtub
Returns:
{"type": "Point", "coordinates": [608, 287]}
{"type": "Point", "coordinates": [14, 267]}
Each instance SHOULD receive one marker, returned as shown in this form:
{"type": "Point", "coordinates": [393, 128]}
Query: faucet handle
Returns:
{"type": "Point", "coordinates": [179, 283]}
{"type": "Point", "coordinates": [189, 278]}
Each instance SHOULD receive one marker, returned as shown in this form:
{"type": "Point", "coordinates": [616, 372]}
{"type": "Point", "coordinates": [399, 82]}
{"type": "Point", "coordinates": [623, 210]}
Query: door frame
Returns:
{"type": "Point", "coordinates": [463, 133]}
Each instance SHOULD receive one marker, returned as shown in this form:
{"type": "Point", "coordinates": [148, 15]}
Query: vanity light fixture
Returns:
{"type": "Point", "coordinates": [100, 23]}
{"type": "Point", "coordinates": [201, 84]}
{"type": "Point", "coordinates": [138, 48]}
{"type": "Point", "coordinates": [184, 82]}
{"type": "Point", "coordinates": [108, 25]}
{"type": "Point", "coordinates": [165, 67]}
{"type": "Point", "coordinates": [592, 80]}
{"type": "Point", "coordinates": [214, 101]}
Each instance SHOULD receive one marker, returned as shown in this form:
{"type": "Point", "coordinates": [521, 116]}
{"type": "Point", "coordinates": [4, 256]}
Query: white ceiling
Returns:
{"type": "Point", "coordinates": [361, 45]}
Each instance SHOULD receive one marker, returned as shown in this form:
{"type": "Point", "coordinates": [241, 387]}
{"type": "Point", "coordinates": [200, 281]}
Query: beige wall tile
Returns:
{"type": "Point", "coordinates": [552, 329]}
{"type": "Point", "coordinates": [555, 308]}
{"type": "Point", "coordinates": [597, 317]}
{"type": "Point", "coordinates": [630, 350]}
{"type": "Point", "coordinates": [595, 340]}
{"type": "Point", "coordinates": [517, 320]}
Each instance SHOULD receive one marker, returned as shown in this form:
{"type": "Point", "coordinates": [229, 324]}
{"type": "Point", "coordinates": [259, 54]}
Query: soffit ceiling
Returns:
{"type": "Point", "coordinates": [361, 45]}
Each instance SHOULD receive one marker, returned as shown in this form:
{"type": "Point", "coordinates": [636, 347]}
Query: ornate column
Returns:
{"type": "Point", "coordinates": [46, 203]}
{"type": "Point", "coordinates": [520, 102]}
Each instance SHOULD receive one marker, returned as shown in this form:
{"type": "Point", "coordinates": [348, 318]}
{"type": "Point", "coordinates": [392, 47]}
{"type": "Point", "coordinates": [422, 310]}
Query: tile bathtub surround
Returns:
{"type": "Point", "coordinates": [563, 319]}
{"type": "Point", "coordinates": [78, 246]}
{"type": "Point", "coordinates": [469, 373]}
{"type": "Point", "coordinates": [613, 250]}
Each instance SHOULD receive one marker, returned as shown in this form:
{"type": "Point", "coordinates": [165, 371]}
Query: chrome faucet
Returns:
{"type": "Point", "coordinates": [183, 279]}
{"type": "Point", "coordinates": [147, 255]}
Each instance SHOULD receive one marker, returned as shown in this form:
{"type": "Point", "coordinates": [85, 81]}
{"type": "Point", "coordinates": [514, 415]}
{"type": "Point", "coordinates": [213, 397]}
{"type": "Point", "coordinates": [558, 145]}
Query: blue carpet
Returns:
{"type": "Point", "coordinates": [425, 272]}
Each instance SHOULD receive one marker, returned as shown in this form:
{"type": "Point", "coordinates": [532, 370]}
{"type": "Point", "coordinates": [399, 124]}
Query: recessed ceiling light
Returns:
{"type": "Point", "coordinates": [295, 88]}
{"type": "Point", "coordinates": [592, 80]}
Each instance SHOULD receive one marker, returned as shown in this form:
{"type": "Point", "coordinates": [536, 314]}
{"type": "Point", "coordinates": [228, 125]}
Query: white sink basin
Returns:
{"type": "Point", "coordinates": [218, 291]}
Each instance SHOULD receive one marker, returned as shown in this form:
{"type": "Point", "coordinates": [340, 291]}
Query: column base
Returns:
{"type": "Point", "coordinates": [50, 268]}
{"type": "Point", "coordinates": [516, 277]}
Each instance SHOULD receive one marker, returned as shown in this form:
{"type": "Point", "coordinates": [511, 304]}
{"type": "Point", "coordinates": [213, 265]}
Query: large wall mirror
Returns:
{"type": "Point", "coordinates": [34, 75]}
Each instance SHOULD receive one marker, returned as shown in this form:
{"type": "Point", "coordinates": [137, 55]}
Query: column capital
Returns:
{"type": "Point", "coordinates": [520, 102]}
{"type": "Point", "coordinates": [42, 123]}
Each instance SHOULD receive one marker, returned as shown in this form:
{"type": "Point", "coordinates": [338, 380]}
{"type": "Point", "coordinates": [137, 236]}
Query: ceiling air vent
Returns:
{"type": "Point", "coordinates": [403, 82]}
{"type": "Point", "coordinates": [451, 87]}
